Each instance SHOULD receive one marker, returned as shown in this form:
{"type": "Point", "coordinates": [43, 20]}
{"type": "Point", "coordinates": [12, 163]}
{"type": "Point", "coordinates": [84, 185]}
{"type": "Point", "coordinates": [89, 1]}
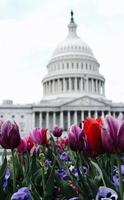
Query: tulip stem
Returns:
{"type": "Point", "coordinates": [14, 178]}
{"type": "Point", "coordinates": [120, 176]}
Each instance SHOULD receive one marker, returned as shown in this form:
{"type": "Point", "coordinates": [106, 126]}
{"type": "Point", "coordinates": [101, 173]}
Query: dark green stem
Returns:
{"type": "Point", "coordinates": [14, 178]}
{"type": "Point", "coordinates": [120, 176]}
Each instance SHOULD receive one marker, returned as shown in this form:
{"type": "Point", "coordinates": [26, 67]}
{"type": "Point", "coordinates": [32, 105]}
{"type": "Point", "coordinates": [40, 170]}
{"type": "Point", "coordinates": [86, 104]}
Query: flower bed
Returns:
{"type": "Point", "coordinates": [87, 165]}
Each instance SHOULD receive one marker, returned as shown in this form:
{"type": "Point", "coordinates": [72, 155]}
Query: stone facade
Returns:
{"type": "Point", "coordinates": [72, 90]}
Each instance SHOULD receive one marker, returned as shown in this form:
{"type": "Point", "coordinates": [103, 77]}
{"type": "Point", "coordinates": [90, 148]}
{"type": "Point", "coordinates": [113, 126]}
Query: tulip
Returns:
{"type": "Point", "coordinates": [113, 134]}
{"type": "Point", "coordinates": [9, 135]}
{"type": "Point", "coordinates": [92, 130]}
{"type": "Point", "coordinates": [39, 136]}
{"type": "Point", "coordinates": [23, 145]}
{"type": "Point", "coordinates": [30, 143]}
{"type": "Point", "coordinates": [57, 132]}
{"type": "Point", "coordinates": [76, 138]}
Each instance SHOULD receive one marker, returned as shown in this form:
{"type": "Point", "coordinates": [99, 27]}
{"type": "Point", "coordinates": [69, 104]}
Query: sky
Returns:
{"type": "Point", "coordinates": [31, 29]}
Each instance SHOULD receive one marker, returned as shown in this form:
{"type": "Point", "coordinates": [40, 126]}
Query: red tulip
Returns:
{"type": "Point", "coordinates": [39, 136]}
{"type": "Point", "coordinates": [23, 145]}
{"type": "Point", "coordinates": [92, 130]}
{"type": "Point", "coordinates": [30, 143]}
{"type": "Point", "coordinates": [9, 135]}
{"type": "Point", "coordinates": [76, 138]}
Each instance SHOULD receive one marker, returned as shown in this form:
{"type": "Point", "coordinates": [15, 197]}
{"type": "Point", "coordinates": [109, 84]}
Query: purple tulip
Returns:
{"type": "Point", "coordinates": [9, 135]}
{"type": "Point", "coordinates": [106, 193]}
{"type": "Point", "coordinates": [74, 198]}
{"type": "Point", "coordinates": [57, 132]}
{"type": "Point", "coordinates": [22, 194]}
{"type": "Point", "coordinates": [113, 134]}
{"type": "Point", "coordinates": [76, 138]}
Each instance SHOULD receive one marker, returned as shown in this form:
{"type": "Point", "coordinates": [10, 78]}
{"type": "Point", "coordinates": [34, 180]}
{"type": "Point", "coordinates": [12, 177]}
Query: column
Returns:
{"type": "Point", "coordinates": [47, 120]}
{"type": "Point", "coordinates": [69, 120]}
{"type": "Point", "coordinates": [64, 85]}
{"type": "Point", "coordinates": [81, 84]}
{"type": "Point", "coordinates": [75, 84]}
{"type": "Point", "coordinates": [102, 113]}
{"type": "Point", "coordinates": [75, 117]}
{"type": "Point", "coordinates": [59, 86]}
{"type": "Point", "coordinates": [96, 85]}
{"type": "Point", "coordinates": [53, 88]}
{"type": "Point", "coordinates": [87, 85]}
{"type": "Point", "coordinates": [89, 114]}
{"type": "Point", "coordinates": [40, 119]}
{"type": "Point", "coordinates": [61, 120]}
{"type": "Point", "coordinates": [92, 83]}
{"type": "Point", "coordinates": [114, 114]}
{"type": "Point", "coordinates": [103, 86]}
{"type": "Point", "coordinates": [54, 119]}
{"type": "Point", "coordinates": [33, 120]}
{"type": "Point", "coordinates": [70, 86]}
{"type": "Point", "coordinates": [95, 115]}
{"type": "Point", "coordinates": [82, 115]}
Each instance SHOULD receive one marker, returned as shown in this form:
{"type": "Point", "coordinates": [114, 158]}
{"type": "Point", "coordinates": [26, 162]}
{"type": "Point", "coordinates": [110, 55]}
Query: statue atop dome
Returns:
{"type": "Point", "coordinates": [72, 19]}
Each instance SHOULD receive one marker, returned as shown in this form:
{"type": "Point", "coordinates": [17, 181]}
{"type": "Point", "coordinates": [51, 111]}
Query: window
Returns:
{"type": "Point", "coordinates": [22, 116]}
{"type": "Point", "coordinates": [82, 65]}
{"type": "Point", "coordinates": [72, 64]}
{"type": "Point", "coordinates": [77, 65]}
{"type": "Point", "coordinates": [86, 65]}
{"type": "Point", "coordinates": [1, 116]}
{"type": "Point", "coordinates": [13, 116]}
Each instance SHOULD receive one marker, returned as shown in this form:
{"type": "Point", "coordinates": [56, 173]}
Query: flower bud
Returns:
{"type": "Point", "coordinates": [76, 138]}
{"type": "Point", "coordinates": [9, 135]}
{"type": "Point", "coordinates": [57, 132]}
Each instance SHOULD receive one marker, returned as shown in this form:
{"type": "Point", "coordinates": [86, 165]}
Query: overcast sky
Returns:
{"type": "Point", "coordinates": [31, 29]}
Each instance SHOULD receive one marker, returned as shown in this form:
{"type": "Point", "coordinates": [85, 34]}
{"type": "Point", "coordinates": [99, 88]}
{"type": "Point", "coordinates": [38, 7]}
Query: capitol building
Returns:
{"type": "Point", "coordinates": [72, 89]}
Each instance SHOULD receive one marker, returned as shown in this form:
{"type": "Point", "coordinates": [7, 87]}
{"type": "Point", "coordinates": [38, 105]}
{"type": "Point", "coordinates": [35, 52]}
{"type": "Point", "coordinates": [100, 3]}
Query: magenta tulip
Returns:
{"type": "Point", "coordinates": [9, 135]}
{"type": "Point", "coordinates": [76, 138]}
{"type": "Point", "coordinates": [23, 145]}
{"type": "Point", "coordinates": [39, 136]}
{"type": "Point", "coordinates": [113, 134]}
{"type": "Point", "coordinates": [57, 132]}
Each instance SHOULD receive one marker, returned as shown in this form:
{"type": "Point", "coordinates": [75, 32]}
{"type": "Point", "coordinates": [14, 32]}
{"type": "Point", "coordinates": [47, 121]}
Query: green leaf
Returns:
{"type": "Point", "coordinates": [3, 169]}
{"type": "Point", "coordinates": [99, 170]}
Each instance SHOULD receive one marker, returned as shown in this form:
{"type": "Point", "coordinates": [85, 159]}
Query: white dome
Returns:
{"type": "Point", "coordinates": [72, 44]}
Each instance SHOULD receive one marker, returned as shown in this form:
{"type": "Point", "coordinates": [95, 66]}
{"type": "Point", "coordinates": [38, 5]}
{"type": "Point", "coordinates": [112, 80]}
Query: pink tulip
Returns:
{"type": "Point", "coordinates": [76, 138]}
{"type": "Point", "coordinates": [39, 136]}
{"type": "Point", "coordinates": [113, 134]}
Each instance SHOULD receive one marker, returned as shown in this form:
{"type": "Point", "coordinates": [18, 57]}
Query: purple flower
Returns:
{"type": "Point", "coordinates": [76, 138]}
{"type": "Point", "coordinates": [112, 134]}
{"type": "Point", "coordinates": [105, 193]}
{"type": "Point", "coordinates": [22, 194]}
{"type": "Point", "coordinates": [74, 198]}
{"type": "Point", "coordinates": [48, 162]}
{"type": "Point", "coordinates": [63, 173]}
{"type": "Point", "coordinates": [9, 135]}
{"type": "Point", "coordinates": [57, 132]}
{"type": "Point", "coordinates": [64, 156]}
{"type": "Point", "coordinates": [6, 178]}
{"type": "Point", "coordinates": [116, 176]}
